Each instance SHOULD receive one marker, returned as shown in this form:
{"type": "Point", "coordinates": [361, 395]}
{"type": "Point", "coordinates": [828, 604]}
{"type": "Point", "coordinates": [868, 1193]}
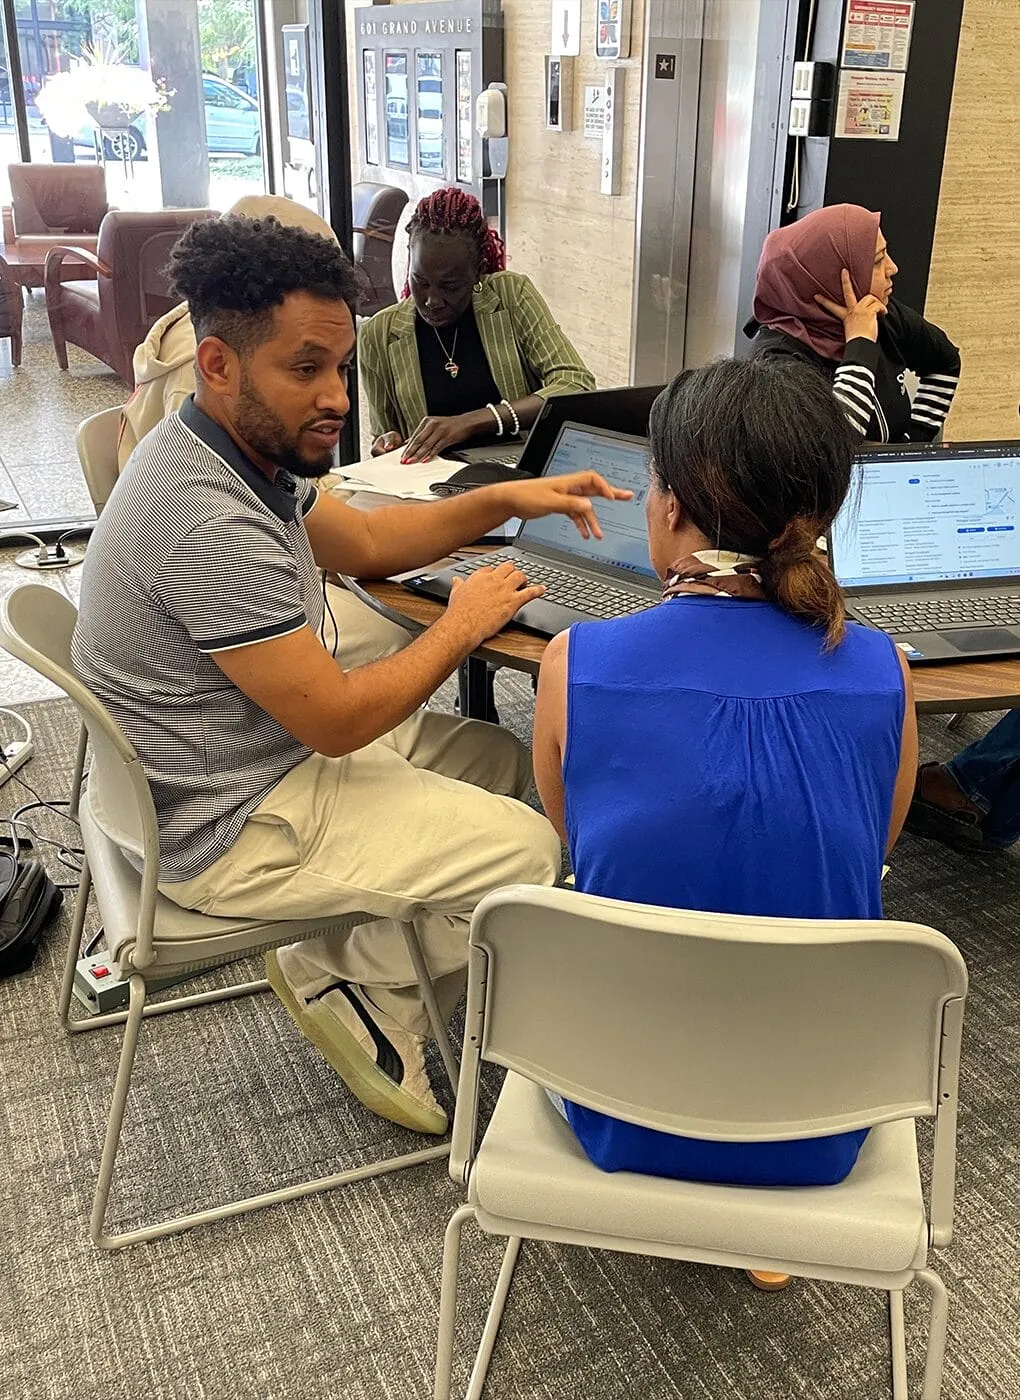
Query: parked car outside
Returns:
{"type": "Point", "coordinates": [232, 125]}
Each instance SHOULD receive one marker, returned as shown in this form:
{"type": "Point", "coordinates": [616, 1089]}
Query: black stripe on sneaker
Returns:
{"type": "Point", "coordinates": [386, 1055]}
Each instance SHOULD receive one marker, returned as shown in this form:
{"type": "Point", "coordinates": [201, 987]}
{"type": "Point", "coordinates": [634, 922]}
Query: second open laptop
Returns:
{"type": "Point", "coordinates": [623, 410]}
{"type": "Point", "coordinates": [930, 553]}
{"type": "Point", "coordinates": [584, 579]}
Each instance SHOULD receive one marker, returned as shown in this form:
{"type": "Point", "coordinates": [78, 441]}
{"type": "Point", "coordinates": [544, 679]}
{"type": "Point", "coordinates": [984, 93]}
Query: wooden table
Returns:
{"type": "Point", "coordinates": [22, 267]}
{"type": "Point", "coordinates": [941, 689]}
{"type": "Point", "coordinates": [26, 259]}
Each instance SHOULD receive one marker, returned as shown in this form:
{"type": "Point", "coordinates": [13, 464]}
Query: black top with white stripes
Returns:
{"type": "Point", "coordinates": [870, 380]}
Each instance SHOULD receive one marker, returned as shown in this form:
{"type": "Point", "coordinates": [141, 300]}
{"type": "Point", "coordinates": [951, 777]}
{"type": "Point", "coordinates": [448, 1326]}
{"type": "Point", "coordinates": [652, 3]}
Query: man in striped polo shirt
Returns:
{"type": "Point", "coordinates": [284, 786]}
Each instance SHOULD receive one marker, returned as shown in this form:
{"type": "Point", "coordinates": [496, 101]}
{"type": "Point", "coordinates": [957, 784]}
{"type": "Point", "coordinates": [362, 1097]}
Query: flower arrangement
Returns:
{"type": "Point", "coordinates": [101, 90]}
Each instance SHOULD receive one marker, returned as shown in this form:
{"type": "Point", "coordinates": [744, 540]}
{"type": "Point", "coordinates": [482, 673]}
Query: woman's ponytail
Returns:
{"type": "Point", "coordinates": [760, 458]}
{"type": "Point", "coordinates": [795, 575]}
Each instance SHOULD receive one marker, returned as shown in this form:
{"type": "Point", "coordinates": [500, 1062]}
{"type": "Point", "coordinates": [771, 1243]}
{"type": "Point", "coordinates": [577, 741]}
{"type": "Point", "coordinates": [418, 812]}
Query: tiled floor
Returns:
{"type": "Point", "coordinates": [40, 408]}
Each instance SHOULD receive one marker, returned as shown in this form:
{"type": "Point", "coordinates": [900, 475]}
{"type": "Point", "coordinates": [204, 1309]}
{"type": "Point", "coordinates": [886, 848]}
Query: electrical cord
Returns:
{"type": "Point", "coordinates": [793, 202]}
{"type": "Point", "coordinates": [65, 854]}
{"type": "Point", "coordinates": [332, 618]}
{"type": "Point", "coordinates": [26, 728]}
{"type": "Point", "coordinates": [43, 552]}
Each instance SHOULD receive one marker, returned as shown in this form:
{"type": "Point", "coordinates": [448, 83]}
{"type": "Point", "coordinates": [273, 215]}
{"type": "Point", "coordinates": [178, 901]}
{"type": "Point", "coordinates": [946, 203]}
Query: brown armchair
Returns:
{"type": "Point", "coordinates": [377, 210]}
{"type": "Point", "coordinates": [10, 310]}
{"type": "Point", "coordinates": [53, 204]}
{"type": "Point", "coordinates": [113, 315]}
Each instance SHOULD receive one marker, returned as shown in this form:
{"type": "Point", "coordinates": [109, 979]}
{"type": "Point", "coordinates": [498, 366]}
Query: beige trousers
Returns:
{"type": "Point", "coordinates": [419, 826]}
{"type": "Point", "coordinates": [360, 634]}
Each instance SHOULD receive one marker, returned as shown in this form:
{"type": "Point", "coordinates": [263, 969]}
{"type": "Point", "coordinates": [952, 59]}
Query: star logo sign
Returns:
{"type": "Point", "coordinates": [665, 65]}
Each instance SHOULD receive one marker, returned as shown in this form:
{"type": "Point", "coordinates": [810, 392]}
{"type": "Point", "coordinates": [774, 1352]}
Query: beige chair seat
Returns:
{"type": "Point", "coordinates": [184, 938]}
{"type": "Point", "coordinates": [530, 1169]}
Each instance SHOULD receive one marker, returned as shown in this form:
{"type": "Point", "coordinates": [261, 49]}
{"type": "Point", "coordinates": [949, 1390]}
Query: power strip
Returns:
{"type": "Point", "coordinates": [16, 755]}
{"type": "Point", "coordinates": [99, 987]}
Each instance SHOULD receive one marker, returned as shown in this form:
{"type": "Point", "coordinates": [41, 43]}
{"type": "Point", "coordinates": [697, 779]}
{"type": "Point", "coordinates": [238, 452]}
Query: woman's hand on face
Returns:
{"type": "Point", "coordinates": [432, 435]}
{"type": "Point", "coordinates": [386, 443]}
{"type": "Point", "coordinates": [860, 318]}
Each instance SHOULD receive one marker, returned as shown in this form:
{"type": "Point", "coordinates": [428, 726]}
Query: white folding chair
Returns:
{"type": "Point", "coordinates": [148, 935]}
{"type": "Point", "coordinates": [96, 441]}
{"type": "Point", "coordinates": [725, 1028]}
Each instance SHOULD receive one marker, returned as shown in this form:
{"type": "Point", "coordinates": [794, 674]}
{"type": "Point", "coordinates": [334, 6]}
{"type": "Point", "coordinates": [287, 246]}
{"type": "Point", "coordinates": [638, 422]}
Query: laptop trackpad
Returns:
{"type": "Point", "coordinates": [968, 639]}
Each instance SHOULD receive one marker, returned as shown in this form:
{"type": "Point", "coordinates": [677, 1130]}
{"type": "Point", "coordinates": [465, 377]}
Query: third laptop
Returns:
{"type": "Point", "coordinates": [584, 579]}
{"type": "Point", "coordinates": [930, 552]}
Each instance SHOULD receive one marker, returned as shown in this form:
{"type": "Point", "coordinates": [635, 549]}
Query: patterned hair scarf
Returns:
{"type": "Point", "coordinates": [715, 571]}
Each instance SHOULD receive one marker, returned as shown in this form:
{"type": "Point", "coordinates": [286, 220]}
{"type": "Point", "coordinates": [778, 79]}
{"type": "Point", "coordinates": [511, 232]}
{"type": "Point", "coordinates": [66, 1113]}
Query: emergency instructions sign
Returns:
{"type": "Point", "coordinates": [877, 35]}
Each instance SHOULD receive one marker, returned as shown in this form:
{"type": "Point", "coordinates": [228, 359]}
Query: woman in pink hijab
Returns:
{"type": "Point", "coordinates": [824, 294]}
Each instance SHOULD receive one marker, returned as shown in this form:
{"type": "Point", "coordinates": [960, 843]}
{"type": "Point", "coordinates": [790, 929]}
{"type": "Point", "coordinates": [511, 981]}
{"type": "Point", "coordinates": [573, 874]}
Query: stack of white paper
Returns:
{"type": "Point", "coordinates": [388, 476]}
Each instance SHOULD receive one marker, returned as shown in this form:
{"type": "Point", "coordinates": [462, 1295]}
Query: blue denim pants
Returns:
{"type": "Point", "coordinates": [988, 772]}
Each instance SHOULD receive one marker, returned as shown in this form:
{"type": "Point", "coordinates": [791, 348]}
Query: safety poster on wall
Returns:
{"type": "Point", "coordinates": [877, 35]}
{"type": "Point", "coordinates": [869, 105]}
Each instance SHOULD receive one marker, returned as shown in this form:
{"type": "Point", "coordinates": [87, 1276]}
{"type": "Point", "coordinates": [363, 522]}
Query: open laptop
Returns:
{"type": "Point", "coordinates": [930, 552]}
{"type": "Point", "coordinates": [584, 579]}
{"type": "Point", "coordinates": [623, 410]}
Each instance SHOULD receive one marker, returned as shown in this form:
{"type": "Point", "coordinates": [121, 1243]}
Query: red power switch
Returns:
{"type": "Point", "coordinates": [100, 972]}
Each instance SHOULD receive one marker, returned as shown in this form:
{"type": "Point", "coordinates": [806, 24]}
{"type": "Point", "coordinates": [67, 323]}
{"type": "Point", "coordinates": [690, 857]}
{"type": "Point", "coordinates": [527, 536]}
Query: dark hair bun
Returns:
{"type": "Point", "coordinates": [760, 456]}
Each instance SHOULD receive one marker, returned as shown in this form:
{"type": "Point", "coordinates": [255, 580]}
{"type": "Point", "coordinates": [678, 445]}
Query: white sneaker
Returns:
{"type": "Point", "coordinates": [381, 1064]}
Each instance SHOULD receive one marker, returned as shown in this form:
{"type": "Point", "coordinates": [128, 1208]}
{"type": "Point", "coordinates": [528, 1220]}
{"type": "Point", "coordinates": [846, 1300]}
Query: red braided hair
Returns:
{"type": "Point", "coordinates": [456, 211]}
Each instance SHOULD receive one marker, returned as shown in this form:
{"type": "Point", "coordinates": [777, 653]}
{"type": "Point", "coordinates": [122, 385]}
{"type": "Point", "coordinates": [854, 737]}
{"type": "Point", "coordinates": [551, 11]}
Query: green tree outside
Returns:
{"type": "Point", "coordinates": [226, 30]}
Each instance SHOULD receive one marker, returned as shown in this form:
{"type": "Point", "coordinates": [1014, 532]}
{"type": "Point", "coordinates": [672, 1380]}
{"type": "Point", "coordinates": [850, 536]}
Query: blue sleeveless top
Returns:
{"type": "Point", "coordinates": [710, 739]}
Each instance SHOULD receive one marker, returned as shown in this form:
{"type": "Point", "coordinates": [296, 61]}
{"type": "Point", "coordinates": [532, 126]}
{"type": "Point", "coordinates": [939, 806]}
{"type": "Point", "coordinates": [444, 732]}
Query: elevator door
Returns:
{"type": "Point", "coordinates": [713, 88]}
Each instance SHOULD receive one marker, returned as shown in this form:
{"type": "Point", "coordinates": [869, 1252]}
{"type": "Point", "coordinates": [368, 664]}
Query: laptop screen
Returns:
{"type": "Point", "coordinates": [621, 410]}
{"type": "Point", "coordinates": [930, 517]}
{"type": "Point", "coordinates": [624, 463]}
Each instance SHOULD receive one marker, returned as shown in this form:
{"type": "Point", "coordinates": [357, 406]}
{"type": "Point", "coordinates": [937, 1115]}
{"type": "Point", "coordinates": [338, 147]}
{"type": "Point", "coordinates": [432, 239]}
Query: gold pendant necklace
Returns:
{"type": "Point", "coordinates": [452, 367]}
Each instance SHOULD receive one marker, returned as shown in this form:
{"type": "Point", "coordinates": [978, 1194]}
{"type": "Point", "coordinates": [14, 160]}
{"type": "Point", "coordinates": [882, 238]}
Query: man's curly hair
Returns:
{"type": "Point", "coordinates": [233, 272]}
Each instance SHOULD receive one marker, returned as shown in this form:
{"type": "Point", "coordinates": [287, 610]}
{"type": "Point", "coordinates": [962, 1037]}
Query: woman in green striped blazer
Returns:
{"type": "Point", "coordinates": [472, 351]}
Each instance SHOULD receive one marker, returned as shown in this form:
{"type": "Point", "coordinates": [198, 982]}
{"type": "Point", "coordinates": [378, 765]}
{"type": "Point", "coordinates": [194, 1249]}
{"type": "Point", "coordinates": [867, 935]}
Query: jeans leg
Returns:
{"type": "Point", "coordinates": [988, 772]}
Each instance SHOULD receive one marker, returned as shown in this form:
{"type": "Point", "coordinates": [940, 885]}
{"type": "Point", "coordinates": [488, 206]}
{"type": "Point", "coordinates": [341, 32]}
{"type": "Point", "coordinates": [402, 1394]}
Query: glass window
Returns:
{"type": "Point", "coordinates": [465, 125]}
{"type": "Point", "coordinates": [397, 149]}
{"type": "Point", "coordinates": [221, 95]}
{"type": "Point", "coordinates": [371, 110]}
{"type": "Point", "coordinates": [89, 99]}
{"type": "Point", "coordinates": [10, 152]}
{"type": "Point", "coordinates": [430, 113]}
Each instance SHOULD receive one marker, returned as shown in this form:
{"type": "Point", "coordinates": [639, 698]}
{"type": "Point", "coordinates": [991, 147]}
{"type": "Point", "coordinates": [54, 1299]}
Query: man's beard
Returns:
{"type": "Point", "coordinates": [263, 430]}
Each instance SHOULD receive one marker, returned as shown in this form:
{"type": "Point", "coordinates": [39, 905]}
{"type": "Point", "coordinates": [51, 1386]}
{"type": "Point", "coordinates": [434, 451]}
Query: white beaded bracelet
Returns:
{"type": "Point", "coordinates": [513, 415]}
{"type": "Point", "coordinates": [498, 417]}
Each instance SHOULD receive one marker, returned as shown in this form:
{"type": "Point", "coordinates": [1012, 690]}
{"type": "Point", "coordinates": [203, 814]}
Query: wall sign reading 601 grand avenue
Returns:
{"type": "Point", "coordinates": [420, 69]}
{"type": "Point", "coordinates": [463, 24]}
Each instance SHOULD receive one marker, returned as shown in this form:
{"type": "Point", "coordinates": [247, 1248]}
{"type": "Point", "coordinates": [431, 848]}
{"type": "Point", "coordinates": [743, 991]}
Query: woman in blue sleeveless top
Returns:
{"type": "Point", "coordinates": [739, 748]}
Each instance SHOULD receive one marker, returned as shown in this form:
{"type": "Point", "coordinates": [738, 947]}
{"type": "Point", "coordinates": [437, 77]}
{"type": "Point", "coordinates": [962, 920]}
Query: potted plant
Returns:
{"type": "Point", "coordinates": [102, 91]}
{"type": "Point", "coordinates": [114, 93]}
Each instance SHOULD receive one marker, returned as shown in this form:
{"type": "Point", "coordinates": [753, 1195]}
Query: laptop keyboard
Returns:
{"type": "Point", "coordinates": [569, 590]}
{"type": "Point", "coordinates": [943, 614]}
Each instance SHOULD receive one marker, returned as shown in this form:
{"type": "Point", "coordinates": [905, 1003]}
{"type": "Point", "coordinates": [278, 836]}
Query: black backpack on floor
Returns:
{"type": "Point", "coordinates": [28, 901]}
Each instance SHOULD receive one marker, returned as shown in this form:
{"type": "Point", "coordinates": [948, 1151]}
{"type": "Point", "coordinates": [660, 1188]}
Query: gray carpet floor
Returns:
{"type": "Point", "coordinates": [336, 1296]}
